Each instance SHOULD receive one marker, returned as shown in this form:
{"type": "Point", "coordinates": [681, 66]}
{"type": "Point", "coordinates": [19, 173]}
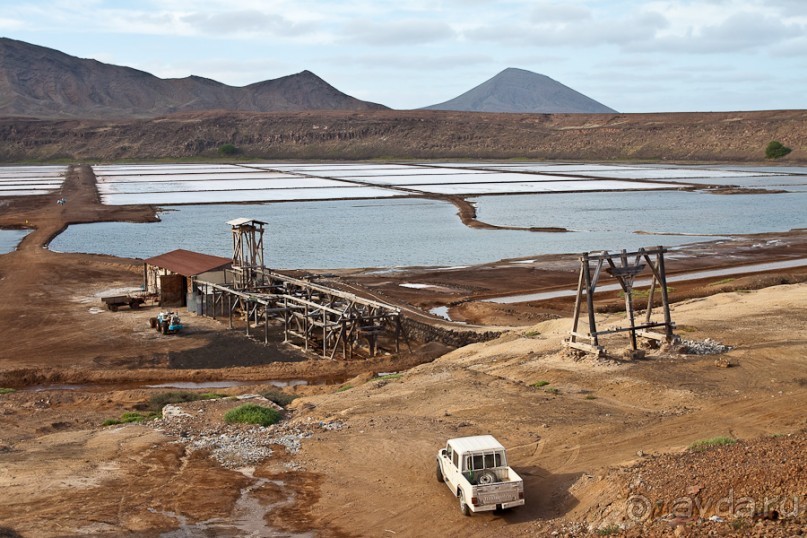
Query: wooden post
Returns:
{"type": "Point", "coordinates": [664, 298]}
{"type": "Point", "coordinates": [578, 302]}
{"type": "Point", "coordinates": [230, 309]}
{"type": "Point", "coordinates": [592, 323]}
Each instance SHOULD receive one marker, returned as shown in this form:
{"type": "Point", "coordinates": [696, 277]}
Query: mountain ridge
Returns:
{"type": "Point", "coordinates": [37, 81]}
{"type": "Point", "coordinates": [515, 90]}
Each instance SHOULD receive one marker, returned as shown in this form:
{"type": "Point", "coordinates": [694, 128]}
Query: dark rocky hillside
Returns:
{"type": "Point", "coordinates": [694, 137]}
{"type": "Point", "coordinates": [520, 91]}
{"type": "Point", "coordinates": [45, 83]}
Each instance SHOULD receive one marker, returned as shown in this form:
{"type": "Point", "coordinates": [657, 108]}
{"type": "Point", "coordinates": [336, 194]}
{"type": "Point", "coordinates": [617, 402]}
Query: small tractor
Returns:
{"type": "Point", "coordinates": [167, 322]}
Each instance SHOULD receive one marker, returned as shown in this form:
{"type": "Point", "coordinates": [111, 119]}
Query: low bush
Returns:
{"type": "Point", "coordinates": [540, 384]}
{"type": "Point", "coordinates": [158, 401]}
{"type": "Point", "coordinates": [228, 149]}
{"type": "Point", "coordinates": [6, 391]}
{"type": "Point", "coordinates": [128, 418]}
{"type": "Point", "coordinates": [776, 150]}
{"type": "Point", "coordinates": [705, 444]}
{"type": "Point", "coordinates": [252, 414]}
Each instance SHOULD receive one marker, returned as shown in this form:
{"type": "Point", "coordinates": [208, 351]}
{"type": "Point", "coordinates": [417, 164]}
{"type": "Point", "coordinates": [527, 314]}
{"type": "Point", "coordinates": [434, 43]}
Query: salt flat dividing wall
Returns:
{"type": "Point", "coordinates": [268, 182]}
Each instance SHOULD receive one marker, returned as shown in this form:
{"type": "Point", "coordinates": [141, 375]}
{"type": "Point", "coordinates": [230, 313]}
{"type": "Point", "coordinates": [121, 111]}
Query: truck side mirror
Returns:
{"type": "Point", "coordinates": [443, 452]}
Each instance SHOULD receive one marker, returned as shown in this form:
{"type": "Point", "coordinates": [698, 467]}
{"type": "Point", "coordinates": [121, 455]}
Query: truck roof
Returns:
{"type": "Point", "coordinates": [475, 443]}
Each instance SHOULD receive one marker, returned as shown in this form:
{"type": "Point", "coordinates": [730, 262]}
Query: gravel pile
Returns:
{"type": "Point", "coordinates": [200, 426]}
{"type": "Point", "coordinates": [702, 347]}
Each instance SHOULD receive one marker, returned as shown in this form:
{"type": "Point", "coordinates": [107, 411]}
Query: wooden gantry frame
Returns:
{"type": "Point", "coordinates": [631, 264]}
{"type": "Point", "coordinates": [247, 250]}
{"type": "Point", "coordinates": [315, 317]}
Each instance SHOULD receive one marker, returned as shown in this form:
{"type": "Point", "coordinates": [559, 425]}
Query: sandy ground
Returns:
{"type": "Point", "coordinates": [361, 461]}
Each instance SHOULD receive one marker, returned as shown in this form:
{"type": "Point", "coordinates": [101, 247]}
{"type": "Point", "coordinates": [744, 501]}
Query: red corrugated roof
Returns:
{"type": "Point", "coordinates": [187, 263]}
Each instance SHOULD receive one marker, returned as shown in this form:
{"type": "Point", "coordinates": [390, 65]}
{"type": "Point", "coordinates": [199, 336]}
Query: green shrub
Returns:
{"type": "Point", "coordinates": [279, 397]}
{"type": "Point", "coordinates": [228, 149]}
{"type": "Point", "coordinates": [128, 418]}
{"type": "Point", "coordinates": [776, 149]}
{"type": "Point", "coordinates": [343, 388]}
{"type": "Point", "coordinates": [643, 293]}
{"type": "Point", "coordinates": [252, 414]}
{"type": "Point", "coordinates": [6, 391]}
{"type": "Point", "coordinates": [540, 384]}
{"type": "Point", "coordinates": [158, 401]}
{"type": "Point", "coordinates": [610, 530]}
{"type": "Point", "coordinates": [704, 444]}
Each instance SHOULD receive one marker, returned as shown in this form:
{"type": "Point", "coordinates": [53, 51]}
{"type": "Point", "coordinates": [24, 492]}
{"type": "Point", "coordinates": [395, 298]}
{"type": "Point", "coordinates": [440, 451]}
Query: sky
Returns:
{"type": "Point", "coordinates": [631, 55]}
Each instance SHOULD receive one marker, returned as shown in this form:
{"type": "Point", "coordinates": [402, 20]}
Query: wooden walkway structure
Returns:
{"type": "Point", "coordinates": [630, 265]}
{"type": "Point", "coordinates": [310, 315]}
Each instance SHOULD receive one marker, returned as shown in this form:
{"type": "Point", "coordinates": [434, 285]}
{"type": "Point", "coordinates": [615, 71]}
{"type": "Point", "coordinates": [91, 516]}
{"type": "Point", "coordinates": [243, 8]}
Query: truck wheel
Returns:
{"type": "Point", "coordinates": [466, 511]}
{"type": "Point", "coordinates": [440, 473]}
{"type": "Point", "coordinates": [486, 477]}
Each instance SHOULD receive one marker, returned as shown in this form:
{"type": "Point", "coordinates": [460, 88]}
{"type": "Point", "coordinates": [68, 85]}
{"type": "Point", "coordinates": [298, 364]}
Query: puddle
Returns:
{"type": "Point", "coordinates": [248, 517]}
{"type": "Point", "coordinates": [43, 388]}
{"type": "Point", "coordinates": [442, 312]}
{"type": "Point", "coordinates": [727, 271]}
{"type": "Point", "coordinates": [187, 385]}
{"type": "Point", "coordinates": [416, 286]}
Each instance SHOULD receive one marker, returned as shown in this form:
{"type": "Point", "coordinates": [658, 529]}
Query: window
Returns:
{"type": "Point", "coordinates": [485, 461]}
{"type": "Point", "coordinates": [455, 458]}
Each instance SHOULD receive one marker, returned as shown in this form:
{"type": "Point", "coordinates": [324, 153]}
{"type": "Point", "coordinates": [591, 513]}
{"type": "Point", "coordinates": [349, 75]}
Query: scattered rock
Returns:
{"type": "Point", "coordinates": [724, 362]}
{"type": "Point", "coordinates": [633, 354]}
{"type": "Point", "coordinates": [704, 347]}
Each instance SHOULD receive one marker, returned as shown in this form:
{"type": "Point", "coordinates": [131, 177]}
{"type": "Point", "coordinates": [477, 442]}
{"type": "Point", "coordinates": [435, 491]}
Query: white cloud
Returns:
{"type": "Point", "coordinates": [245, 22]}
{"type": "Point", "coordinates": [406, 32]}
{"type": "Point", "coordinates": [10, 24]}
{"type": "Point", "coordinates": [546, 12]}
{"type": "Point", "coordinates": [738, 32]}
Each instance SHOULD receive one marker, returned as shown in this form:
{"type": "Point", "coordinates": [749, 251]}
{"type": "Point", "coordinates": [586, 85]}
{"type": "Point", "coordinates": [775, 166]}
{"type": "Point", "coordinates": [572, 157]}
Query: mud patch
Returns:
{"type": "Point", "coordinates": [225, 350]}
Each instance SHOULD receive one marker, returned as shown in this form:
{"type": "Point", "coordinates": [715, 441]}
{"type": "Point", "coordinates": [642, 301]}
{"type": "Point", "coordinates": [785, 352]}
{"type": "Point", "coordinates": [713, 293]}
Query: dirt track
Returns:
{"type": "Point", "coordinates": [372, 473]}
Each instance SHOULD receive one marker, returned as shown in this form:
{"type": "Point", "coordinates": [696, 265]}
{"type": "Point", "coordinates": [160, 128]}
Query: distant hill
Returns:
{"type": "Point", "coordinates": [521, 91]}
{"type": "Point", "coordinates": [42, 82]}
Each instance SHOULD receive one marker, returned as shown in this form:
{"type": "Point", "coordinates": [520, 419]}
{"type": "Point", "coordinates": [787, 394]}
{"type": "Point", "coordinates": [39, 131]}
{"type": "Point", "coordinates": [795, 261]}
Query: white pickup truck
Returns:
{"type": "Point", "coordinates": [475, 470]}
